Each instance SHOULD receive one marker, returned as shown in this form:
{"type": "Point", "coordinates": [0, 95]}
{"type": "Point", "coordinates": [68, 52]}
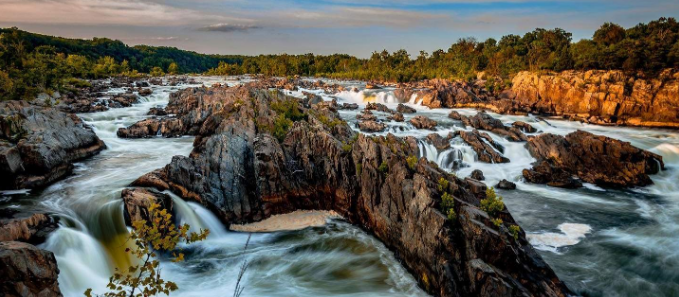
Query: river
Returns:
{"type": "Point", "coordinates": [600, 242]}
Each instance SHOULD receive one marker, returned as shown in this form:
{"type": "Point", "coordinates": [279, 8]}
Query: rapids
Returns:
{"type": "Point", "coordinates": [600, 242]}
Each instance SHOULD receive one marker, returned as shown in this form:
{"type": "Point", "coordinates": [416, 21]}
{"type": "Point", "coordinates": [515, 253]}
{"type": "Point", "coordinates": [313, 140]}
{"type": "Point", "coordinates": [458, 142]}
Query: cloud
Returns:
{"type": "Point", "coordinates": [228, 28]}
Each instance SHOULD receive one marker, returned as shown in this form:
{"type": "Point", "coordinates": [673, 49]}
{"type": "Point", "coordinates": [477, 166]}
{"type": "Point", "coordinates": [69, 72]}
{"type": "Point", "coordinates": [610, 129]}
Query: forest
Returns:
{"type": "Point", "coordinates": [32, 63]}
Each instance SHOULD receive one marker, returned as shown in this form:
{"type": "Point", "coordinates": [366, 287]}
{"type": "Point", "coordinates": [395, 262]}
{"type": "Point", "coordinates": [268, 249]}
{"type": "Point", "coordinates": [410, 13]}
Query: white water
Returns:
{"type": "Point", "coordinates": [336, 260]}
{"type": "Point", "coordinates": [601, 242]}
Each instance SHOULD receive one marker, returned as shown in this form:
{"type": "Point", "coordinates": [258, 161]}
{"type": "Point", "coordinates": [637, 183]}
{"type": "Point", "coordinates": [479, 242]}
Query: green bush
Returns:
{"type": "Point", "coordinates": [443, 184]}
{"type": "Point", "coordinates": [412, 161]}
{"type": "Point", "coordinates": [514, 229]}
{"type": "Point", "coordinates": [497, 222]}
{"type": "Point", "coordinates": [493, 203]}
{"type": "Point", "coordinates": [384, 167]}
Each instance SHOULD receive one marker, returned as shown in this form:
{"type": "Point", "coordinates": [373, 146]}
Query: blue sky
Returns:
{"type": "Point", "coordinates": [356, 27]}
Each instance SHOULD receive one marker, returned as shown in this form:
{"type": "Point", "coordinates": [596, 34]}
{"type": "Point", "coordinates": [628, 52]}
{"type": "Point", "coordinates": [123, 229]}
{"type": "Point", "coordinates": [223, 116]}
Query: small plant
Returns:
{"type": "Point", "coordinates": [346, 147]}
{"type": "Point", "coordinates": [158, 234]}
{"type": "Point", "coordinates": [451, 214]}
{"type": "Point", "coordinates": [443, 184]}
{"type": "Point", "coordinates": [412, 161]}
{"type": "Point", "coordinates": [447, 201]}
{"type": "Point", "coordinates": [514, 229]}
{"type": "Point", "coordinates": [384, 167]}
{"type": "Point", "coordinates": [497, 222]}
{"type": "Point", "coordinates": [359, 169]}
{"type": "Point", "coordinates": [493, 203]}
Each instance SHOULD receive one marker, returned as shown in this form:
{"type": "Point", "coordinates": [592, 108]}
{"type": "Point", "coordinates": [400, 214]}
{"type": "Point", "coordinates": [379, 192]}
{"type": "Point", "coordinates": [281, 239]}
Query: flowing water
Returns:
{"type": "Point", "coordinates": [601, 242]}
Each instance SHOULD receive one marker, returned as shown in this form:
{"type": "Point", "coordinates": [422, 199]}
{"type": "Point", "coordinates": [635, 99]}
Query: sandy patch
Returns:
{"type": "Point", "coordinates": [291, 221]}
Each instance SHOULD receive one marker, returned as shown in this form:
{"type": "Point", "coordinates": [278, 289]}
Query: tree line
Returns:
{"type": "Point", "coordinates": [33, 63]}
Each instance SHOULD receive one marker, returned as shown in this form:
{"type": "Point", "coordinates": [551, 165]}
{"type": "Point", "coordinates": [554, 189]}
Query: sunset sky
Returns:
{"type": "Point", "coordinates": [323, 27]}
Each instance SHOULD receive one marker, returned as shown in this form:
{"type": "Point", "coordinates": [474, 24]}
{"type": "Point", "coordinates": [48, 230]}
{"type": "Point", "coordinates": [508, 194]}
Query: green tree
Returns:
{"type": "Point", "coordinates": [173, 69]}
{"type": "Point", "coordinates": [609, 34]}
{"type": "Point", "coordinates": [158, 234]}
{"type": "Point", "coordinates": [157, 71]}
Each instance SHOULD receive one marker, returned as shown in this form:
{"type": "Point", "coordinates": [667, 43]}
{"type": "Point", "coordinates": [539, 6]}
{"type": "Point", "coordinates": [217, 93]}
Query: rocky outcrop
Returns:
{"type": "Point", "coordinates": [39, 144]}
{"type": "Point", "coordinates": [484, 146]}
{"type": "Point", "coordinates": [402, 108]}
{"type": "Point", "coordinates": [378, 107]}
{"type": "Point", "coordinates": [366, 115]}
{"type": "Point", "coordinates": [396, 117]}
{"type": "Point", "coordinates": [167, 127]}
{"type": "Point", "coordinates": [26, 270]}
{"type": "Point", "coordinates": [371, 126]}
{"type": "Point", "coordinates": [525, 127]}
{"type": "Point", "coordinates": [594, 159]}
{"type": "Point", "coordinates": [477, 175]}
{"type": "Point", "coordinates": [422, 122]}
{"type": "Point", "coordinates": [243, 173]}
{"type": "Point", "coordinates": [26, 227]}
{"type": "Point", "coordinates": [506, 185]}
{"type": "Point", "coordinates": [137, 202]}
{"type": "Point", "coordinates": [484, 121]}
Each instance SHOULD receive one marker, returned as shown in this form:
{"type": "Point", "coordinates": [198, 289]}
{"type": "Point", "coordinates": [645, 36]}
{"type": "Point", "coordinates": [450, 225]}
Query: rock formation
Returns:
{"type": "Point", "coordinates": [243, 173]}
{"type": "Point", "coordinates": [422, 122]}
{"type": "Point", "coordinates": [27, 227]}
{"type": "Point", "coordinates": [594, 159]}
{"type": "Point", "coordinates": [39, 144]}
{"type": "Point", "coordinates": [27, 271]}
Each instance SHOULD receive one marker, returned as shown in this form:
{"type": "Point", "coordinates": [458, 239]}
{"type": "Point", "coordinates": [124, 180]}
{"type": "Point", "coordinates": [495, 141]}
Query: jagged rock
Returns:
{"type": "Point", "coordinates": [378, 107]}
{"type": "Point", "coordinates": [422, 122]}
{"type": "Point", "coordinates": [157, 111]}
{"type": "Point", "coordinates": [525, 127]}
{"type": "Point", "coordinates": [485, 152]}
{"type": "Point", "coordinates": [484, 121]}
{"type": "Point", "coordinates": [38, 145]}
{"type": "Point", "coordinates": [123, 100]}
{"type": "Point", "coordinates": [169, 127]}
{"type": "Point", "coordinates": [372, 86]}
{"type": "Point", "coordinates": [545, 173]}
{"type": "Point", "coordinates": [141, 84]}
{"type": "Point", "coordinates": [441, 143]}
{"type": "Point", "coordinates": [145, 92]}
{"type": "Point", "coordinates": [506, 185]}
{"type": "Point", "coordinates": [26, 227]}
{"type": "Point", "coordinates": [402, 108]}
{"type": "Point", "coordinates": [349, 106]}
{"type": "Point", "coordinates": [366, 115]}
{"type": "Point", "coordinates": [243, 174]}
{"type": "Point", "coordinates": [137, 202]}
{"type": "Point", "coordinates": [594, 159]}
{"type": "Point", "coordinates": [26, 270]}
{"type": "Point", "coordinates": [371, 126]}
{"type": "Point", "coordinates": [397, 117]}
{"type": "Point", "coordinates": [477, 175]}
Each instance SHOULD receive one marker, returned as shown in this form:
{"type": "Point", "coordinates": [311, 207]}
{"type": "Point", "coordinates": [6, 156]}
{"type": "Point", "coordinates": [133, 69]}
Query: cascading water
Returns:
{"type": "Point", "coordinates": [601, 242]}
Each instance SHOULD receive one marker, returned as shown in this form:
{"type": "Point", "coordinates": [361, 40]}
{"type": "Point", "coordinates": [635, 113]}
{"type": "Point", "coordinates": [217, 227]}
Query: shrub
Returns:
{"type": "Point", "coordinates": [384, 167]}
{"type": "Point", "coordinates": [412, 161]}
{"type": "Point", "coordinates": [451, 214]}
{"type": "Point", "coordinates": [359, 169]}
{"type": "Point", "coordinates": [514, 229]}
{"type": "Point", "coordinates": [443, 184]}
{"type": "Point", "coordinates": [159, 234]}
{"type": "Point", "coordinates": [346, 147]}
{"type": "Point", "coordinates": [497, 222]}
{"type": "Point", "coordinates": [492, 204]}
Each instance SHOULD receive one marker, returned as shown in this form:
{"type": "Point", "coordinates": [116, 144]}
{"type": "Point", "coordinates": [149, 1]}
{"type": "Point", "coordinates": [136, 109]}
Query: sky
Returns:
{"type": "Point", "coordinates": [356, 27]}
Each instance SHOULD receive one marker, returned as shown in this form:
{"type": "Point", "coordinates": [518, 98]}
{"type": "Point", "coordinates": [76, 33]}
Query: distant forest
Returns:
{"type": "Point", "coordinates": [32, 63]}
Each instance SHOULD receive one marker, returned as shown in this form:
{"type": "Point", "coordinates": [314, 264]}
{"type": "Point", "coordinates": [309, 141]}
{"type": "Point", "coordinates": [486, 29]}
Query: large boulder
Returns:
{"type": "Point", "coordinates": [592, 158]}
{"type": "Point", "coordinates": [422, 122]}
{"type": "Point", "coordinates": [27, 227]}
{"type": "Point", "coordinates": [26, 270]}
{"type": "Point", "coordinates": [38, 145]}
{"type": "Point", "coordinates": [484, 121]}
{"type": "Point", "coordinates": [486, 149]}
{"type": "Point", "coordinates": [137, 202]}
{"type": "Point", "coordinates": [245, 172]}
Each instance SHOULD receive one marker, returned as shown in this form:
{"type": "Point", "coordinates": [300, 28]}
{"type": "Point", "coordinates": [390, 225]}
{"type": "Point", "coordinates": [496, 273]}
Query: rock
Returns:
{"type": "Point", "coordinates": [244, 174]}
{"type": "Point", "coordinates": [484, 121]}
{"type": "Point", "coordinates": [26, 227]}
{"type": "Point", "coordinates": [137, 202]}
{"type": "Point", "coordinates": [397, 117]}
{"type": "Point", "coordinates": [378, 107]}
{"type": "Point", "coordinates": [26, 270]}
{"type": "Point", "coordinates": [157, 111]}
{"type": "Point", "coordinates": [349, 106]}
{"type": "Point", "coordinates": [402, 108]}
{"type": "Point", "coordinates": [145, 92]}
{"type": "Point", "coordinates": [525, 127]}
{"type": "Point", "coordinates": [594, 159]}
{"type": "Point", "coordinates": [484, 151]}
{"type": "Point", "coordinates": [371, 86]}
{"type": "Point", "coordinates": [366, 115]}
{"type": "Point", "coordinates": [371, 126]}
{"type": "Point", "coordinates": [123, 100]}
{"type": "Point", "coordinates": [545, 173]}
{"type": "Point", "coordinates": [168, 127]}
{"type": "Point", "coordinates": [422, 122]}
{"type": "Point", "coordinates": [39, 144]}
{"type": "Point", "coordinates": [441, 143]}
{"type": "Point", "coordinates": [141, 84]}
{"type": "Point", "coordinates": [506, 185]}
{"type": "Point", "coordinates": [477, 175]}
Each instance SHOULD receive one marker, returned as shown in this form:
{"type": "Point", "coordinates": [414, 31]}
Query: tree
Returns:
{"type": "Point", "coordinates": [158, 234]}
{"type": "Point", "coordinates": [173, 69]}
{"type": "Point", "coordinates": [157, 71]}
{"type": "Point", "coordinates": [609, 34]}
